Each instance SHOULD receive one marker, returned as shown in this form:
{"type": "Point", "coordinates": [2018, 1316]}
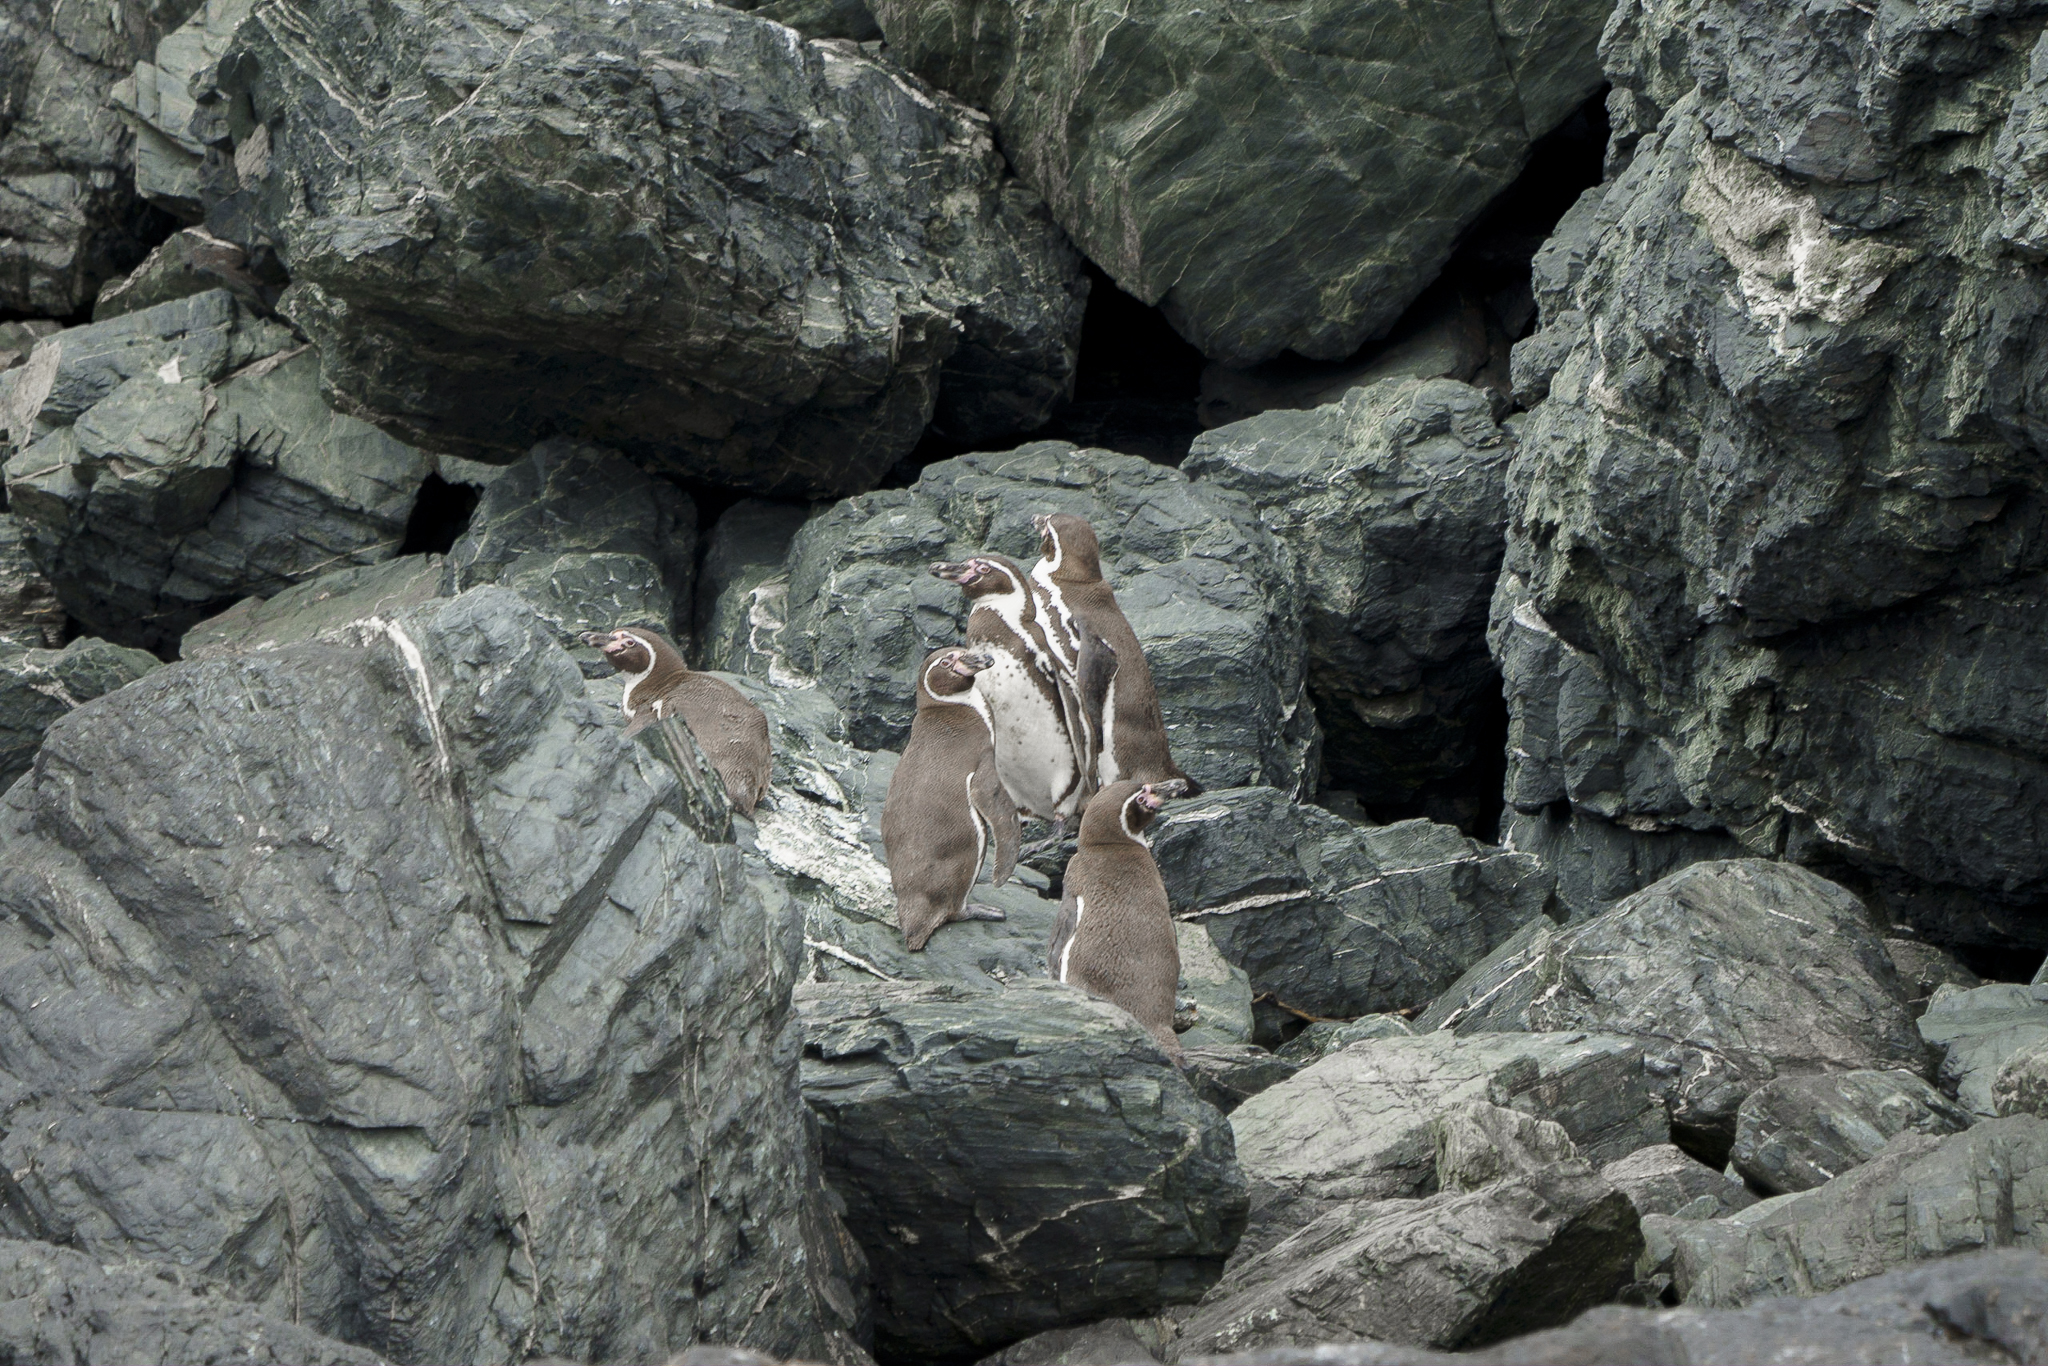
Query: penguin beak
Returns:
{"type": "Point", "coordinates": [972, 662]}
{"type": "Point", "coordinates": [1041, 520]}
{"type": "Point", "coordinates": [1150, 798]}
{"type": "Point", "coordinates": [954, 571]}
{"type": "Point", "coordinates": [1171, 787]}
{"type": "Point", "coordinates": [596, 640]}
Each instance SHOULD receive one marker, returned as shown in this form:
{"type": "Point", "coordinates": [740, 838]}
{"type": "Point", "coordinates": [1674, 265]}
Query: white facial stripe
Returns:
{"type": "Point", "coordinates": [1123, 818]}
{"type": "Point", "coordinates": [1067, 953]}
{"type": "Point", "coordinates": [635, 680]}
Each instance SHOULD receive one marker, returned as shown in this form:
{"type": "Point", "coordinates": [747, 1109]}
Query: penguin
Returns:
{"type": "Point", "coordinates": [730, 730]}
{"type": "Point", "coordinates": [1078, 602]}
{"type": "Point", "coordinates": [1046, 718]}
{"type": "Point", "coordinates": [1114, 935]}
{"type": "Point", "coordinates": [946, 808]}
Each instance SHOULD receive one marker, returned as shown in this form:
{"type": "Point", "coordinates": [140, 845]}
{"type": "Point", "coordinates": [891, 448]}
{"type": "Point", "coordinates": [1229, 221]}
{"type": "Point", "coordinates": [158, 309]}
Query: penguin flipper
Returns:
{"type": "Point", "coordinates": [1062, 930]}
{"type": "Point", "coordinates": [992, 803]}
{"type": "Point", "coordinates": [1094, 670]}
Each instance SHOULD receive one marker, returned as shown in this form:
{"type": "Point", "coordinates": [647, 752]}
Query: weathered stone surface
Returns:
{"type": "Point", "coordinates": [1335, 919]}
{"type": "Point", "coordinates": [1926, 968]}
{"type": "Point", "coordinates": [177, 475]}
{"type": "Point", "coordinates": [1664, 1179]}
{"type": "Point", "coordinates": [1289, 179]}
{"type": "Point", "coordinates": [1776, 531]}
{"type": "Point", "coordinates": [1733, 973]}
{"type": "Point", "coordinates": [1541, 1238]}
{"type": "Point", "coordinates": [1393, 502]}
{"type": "Point", "coordinates": [156, 99]}
{"type": "Point", "coordinates": [1204, 585]}
{"type": "Point", "coordinates": [1324, 1037]}
{"type": "Point", "coordinates": [1796, 1133]}
{"type": "Point", "coordinates": [1358, 1125]}
{"type": "Point", "coordinates": [30, 615]}
{"type": "Point", "coordinates": [1922, 1197]}
{"type": "Point", "coordinates": [1979, 1029]}
{"type": "Point", "coordinates": [1228, 1075]}
{"type": "Point", "coordinates": [69, 216]}
{"type": "Point", "coordinates": [543, 227]}
{"type": "Point", "coordinates": [743, 588]}
{"type": "Point", "coordinates": [589, 540]}
{"type": "Point", "coordinates": [191, 262]}
{"type": "Point", "coordinates": [59, 1305]}
{"type": "Point", "coordinates": [1598, 863]}
{"type": "Point", "coordinates": [2021, 1086]}
{"type": "Point", "coordinates": [39, 685]}
{"type": "Point", "coordinates": [326, 606]}
{"type": "Point", "coordinates": [378, 979]}
{"type": "Point", "coordinates": [1013, 1161]}
{"type": "Point", "coordinates": [819, 18]}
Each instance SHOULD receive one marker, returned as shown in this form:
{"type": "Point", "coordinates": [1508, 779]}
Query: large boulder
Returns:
{"type": "Point", "coordinates": [183, 459]}
{"type": "Point", "coordinates": [378, 978]}
{"type": "Point", "coordinates": [1204, 584]}
{"type": "Point", "coordinates": [1361, 1123]}
{"type": "Point", "coordinates": [1014, 1161]}
{"type": "Point", "coordinates": [674, 229]}
{"type": "Point", "coordinates": [1338, 920]}
{"type": "Point", "coordinates": [1733, 973]}
{"type": "Point", "coordinates": [1978, 1030]}
{"type": "Point", "coordinates": [69, 215]}
{"type": "Point", "coordinates": [1289, 179]}
{"type": "Point", "coordinates": [39, 685]}
{"type": "Point", "coordinates": [1598, 863]}
{"type": "Point", "coordinates": [1796, 1133]}
{"type": "Point", "coordinates": [1776, 559]}
{"type": "Point", "coordinates": [1393, 501]}
{"type": "Point", "coordinates": [1920, 1198]}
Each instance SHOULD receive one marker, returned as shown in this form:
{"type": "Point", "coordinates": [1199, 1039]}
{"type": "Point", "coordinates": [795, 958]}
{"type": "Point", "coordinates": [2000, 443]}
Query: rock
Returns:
{"type": "Point", "coordinates": [1980, 1029]}
{"type": "Point", "coordinates": [1112, 1342]}
{"type": "Point", "coordinates": [1666, 1180]}
{"type": "Point", "coordinates": [191, 262]}
{"type": "Point", "coordinates": [1333, 919]}
{"type": "Point", "coordinates": [1478, 1143]}
{"type": "Point", "coordinates": [1734, 973]}
{"type": "Point", "coordinates": [1598, 863]}
{"type": "Point", "coordinates": [589, 540]}
{"type": "Point", "coordinates": [30, 616]}
{"type": "Point", "coordinates": [743, 589]}
{"type": "Point", "coordinates": [1290, 186]}
{"type": "Point", "coordinates": [1203, 584]}
{"type": "Point", "coordinates": [589, 258]}
{"type": "Point", "coordinates": [819, 18]}
{"type": "Point", "coordinates": [1780, 508]}
{"type": "Point", "coordinates": [1358, 1125]}
{"type": "Point", "coordinates": [1926, 968]}
{"type": "Point", "coordinates": [1325, 1037]}
{"type": "Point", "coordinates": [1218, 989]}
{"type": "Point", "coordinates": [1228, 1075]}
{"type": "Point", "coordinates": [176, 476]}
{"type": "Point", "coordinates": [1921, 1197]}
{"type": "Point", "coordinates": [58, 1305]}
{"type": "Point", "coordinates": [17, 339]}
{"type": "Point", "coordinates": [2021, 1086]}
{"type": "Point", "coordinates": [1800, 1132]}
{"type": "Point", "coordinates": [363, 974]}
{"type": "Point", "coordinates": [1014, 1161]}
{"type": "Point", "coordinates": [156, 99]}
{"type": "Point", "coordinates": [69, 216]}
{"type": "Point", "coordinates": [1530, 1249]}
{"type": "Point", "coordinates": [1392, 502]}
{"type": "Point", "coordinates": [327, 606]}
{"type": "Point", "coordinates": [38, 685]}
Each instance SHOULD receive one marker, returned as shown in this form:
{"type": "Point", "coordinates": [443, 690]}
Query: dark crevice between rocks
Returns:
{"type": "Point", "coordinates": [440, 514]}
{"type": "Point", "coordinates": [2000, 962]}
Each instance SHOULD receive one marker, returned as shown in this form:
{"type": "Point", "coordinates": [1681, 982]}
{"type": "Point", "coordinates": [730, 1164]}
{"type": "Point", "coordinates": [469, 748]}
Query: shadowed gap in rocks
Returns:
{"type": "Point", "coordinates": [440, 514]}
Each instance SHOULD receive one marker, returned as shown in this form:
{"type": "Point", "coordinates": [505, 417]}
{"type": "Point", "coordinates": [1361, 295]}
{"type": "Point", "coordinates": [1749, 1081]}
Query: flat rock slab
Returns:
{"type": "Point", "coordinates": [1013, 1161]}
{"type": "Point", "coordinates": [1796, 1133]}
{"type": "Point", "coordinates": [1734, 972]}
{"type": "Point", "coordinates": [1335, 919]}
{"type": "Point", "coordinates": [1979, 1029]}
{"type": "Point", "coordinates": [1360, 1124]}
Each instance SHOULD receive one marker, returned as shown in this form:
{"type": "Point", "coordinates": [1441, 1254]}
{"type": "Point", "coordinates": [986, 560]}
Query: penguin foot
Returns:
{"type": "Point", "coordinates": [974, 910]}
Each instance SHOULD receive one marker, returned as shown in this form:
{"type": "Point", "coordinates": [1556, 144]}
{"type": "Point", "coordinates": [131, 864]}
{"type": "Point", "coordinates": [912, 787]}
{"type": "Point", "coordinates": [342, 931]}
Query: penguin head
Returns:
{"type": "Point", "coordinates": [631, 651]}
{"type": "Point", "coordinates": [1067, 548]}
{"type": "Point", "coordinates": [950, 672]}
{"type": "Point", "coordinates": [979, 575]}
{"type": "Point", "coordinates": [1119, 813]}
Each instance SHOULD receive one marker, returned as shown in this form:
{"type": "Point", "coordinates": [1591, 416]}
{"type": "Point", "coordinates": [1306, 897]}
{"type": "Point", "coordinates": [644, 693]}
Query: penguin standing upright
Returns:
{"type": "Point", "coordinates": [1045, 716]}
{"type": "Point", "coordinates": [730, 730]}
{"type": "Point", "coordinates": [946, 808]}
{"type": "Point", "coordinates": [1078, 602]}
{"type": "Point", "coordinates": [1114, 936]}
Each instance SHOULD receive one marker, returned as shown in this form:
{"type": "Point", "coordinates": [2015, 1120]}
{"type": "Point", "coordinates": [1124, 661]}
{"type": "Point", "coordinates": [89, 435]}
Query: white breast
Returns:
{"type": "Point", "coordinates": [1034, 756]}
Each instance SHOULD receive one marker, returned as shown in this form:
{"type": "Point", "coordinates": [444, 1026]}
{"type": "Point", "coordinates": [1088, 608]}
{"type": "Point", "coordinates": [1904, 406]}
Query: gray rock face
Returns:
{"type": "Point", "coordinates": [1986, 1187]}
{"type": "Point", "coordinates": [587, 539]}
{"type": "Point", "coordinates": [69, 216]}
{"type": "Point", "coordinates": [1800, 1132]}
{"type": "Point", "coordinates": [1926, 968]}
{"type": "Point", "coordinates": [1360, 1124]}
{"type": "Point", "coordinates": [819, 18]}
{"type": "Point", "coordinates": [1734, 973]}
{"type": "Point", "coordinates": [1167, 142]}
{"type": "Point", "coordinates": [743, 588]}
{"type": "Point", "coordinates": [1204, 585]}
{"type": "Point", "coordinates": [188, 461]}
{"type": "Point", "coordinates": [1013, 1161]}
{"type": "Point", "coordinates": [1598, 863]}
{"type": "Point", "coordinates": [58, 1305]}
{"type": "Point", "coordinates": [1528, 1237]}
{"type": "Point", "coordinates": [2021, 1086]}
{"type": "Point", "coordinates": [1393, 502]}
{"type": "Point", "coordinates": [30, 615]}
{"type": "Point", "coordinates": [327, 606]}
{"type": "Point", "coordinates": [37, 686]}
{"type": "Point", "coordinates": [1333, 919]}
{"type": "Point", "coordinates": [1666, 1180]}
{"type": "Point", "coordinates": [1325, 1037]}
{"type": "Point", "coordinates": [378, 979]}
{"type": "Point", "coordinates": [1979, 1030]}
{"type": "Point", "coordinates": [600, 251]}
{"type": "Point", "coordinates": [156, 99]}
{"type": "Point", "coordinates": [191, 262]}
{"type": "Point", "coordinates": [1775, 533]}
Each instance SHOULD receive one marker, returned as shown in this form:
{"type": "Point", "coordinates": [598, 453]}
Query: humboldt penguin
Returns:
{"type": "Point", "coordinates": [730, 730]}
{"type": "Point", "coordinates": [1114, 936]}
{"type": "Point", "coordinates": [946, 808]}
{"type": "Point", "coordinates": [1077, 603]}
{"type": "Point", "coordinates": [1046, 716]}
